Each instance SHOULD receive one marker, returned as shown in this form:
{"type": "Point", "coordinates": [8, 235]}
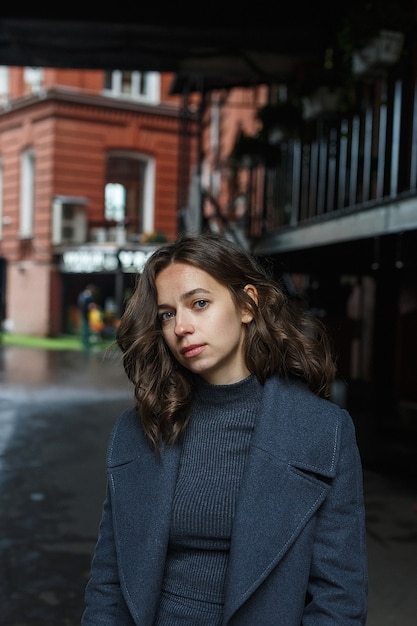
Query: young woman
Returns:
{"type": "Point", "coordinates": [234, 486]}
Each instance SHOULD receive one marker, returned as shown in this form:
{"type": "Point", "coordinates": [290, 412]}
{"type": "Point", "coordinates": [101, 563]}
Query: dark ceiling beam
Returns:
{"type": "Point", "coordinates": [247, 44]}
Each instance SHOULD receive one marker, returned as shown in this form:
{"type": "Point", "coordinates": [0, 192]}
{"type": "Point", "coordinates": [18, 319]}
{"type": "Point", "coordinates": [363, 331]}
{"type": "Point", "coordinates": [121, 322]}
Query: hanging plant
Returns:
{"type": "Point", "coordinates": [381, 52]}
{"type": "Point", "coordinates": [373, 34]}
{"type": "Point", "coordinates": [281, 120]}
{"type": "Point", "coordinates": [253, 150]}
{"type": "Point", "coordinates": [327, 88]}
{"type": "Point", "coordinates": [154, 237]}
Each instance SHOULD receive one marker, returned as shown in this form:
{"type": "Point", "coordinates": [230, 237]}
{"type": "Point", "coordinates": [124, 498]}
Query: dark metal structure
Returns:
{"type": "Point", "coordinates": [221, 43]}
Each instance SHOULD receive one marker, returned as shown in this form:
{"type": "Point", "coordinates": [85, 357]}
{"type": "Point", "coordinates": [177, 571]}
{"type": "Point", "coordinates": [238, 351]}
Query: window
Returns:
{"type": "Point", "coordinates": [142, 86]}
{"type": "Point", "coordinates": [69, 220]}
{"type": "Point", "coordinates": [115, 202]}
{"type": "Point", "coordinates": [27, 193]}
{"type": "Point", "coordinates": [129, 192]}
{"type": "Point", "coordinates": [33, 77]}
{"type": "Point", "coordinates": [4, 84]}
{"type": "Point", "coordinates": [1, 199]}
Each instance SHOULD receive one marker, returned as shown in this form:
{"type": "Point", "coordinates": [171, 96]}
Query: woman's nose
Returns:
{"type": "Point", "coordinates": [183, 326]}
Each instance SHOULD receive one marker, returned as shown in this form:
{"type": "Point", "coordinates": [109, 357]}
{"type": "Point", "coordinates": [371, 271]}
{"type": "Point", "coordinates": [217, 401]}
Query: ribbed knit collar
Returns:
{"type": "Point", "coordinates": [224, 395]}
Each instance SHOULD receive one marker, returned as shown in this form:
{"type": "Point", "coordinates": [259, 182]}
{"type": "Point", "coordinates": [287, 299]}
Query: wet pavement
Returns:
{"type": "Point", "coordinates": [56, 413]}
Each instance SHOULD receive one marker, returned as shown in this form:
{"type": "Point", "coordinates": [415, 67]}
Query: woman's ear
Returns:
{"type": "Point", "coordinates": [252, 292]}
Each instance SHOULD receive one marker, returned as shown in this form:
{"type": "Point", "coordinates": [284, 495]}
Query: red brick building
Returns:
{"type": "Point", "coordinates": [94, 167]}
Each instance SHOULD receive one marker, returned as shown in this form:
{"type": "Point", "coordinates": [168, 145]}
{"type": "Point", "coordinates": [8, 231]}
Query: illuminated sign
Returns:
{"type": "Point", "coordinates": [133, 260]}
{"type": "Point", "coordinates": [90, 260]}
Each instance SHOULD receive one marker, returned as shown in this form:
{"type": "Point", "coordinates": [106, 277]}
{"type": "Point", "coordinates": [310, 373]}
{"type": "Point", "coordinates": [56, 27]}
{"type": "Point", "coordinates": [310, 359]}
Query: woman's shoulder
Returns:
{"type": "Point", "coordinates": [297, 394]}
{"type": "Point", "coordinates": [127, 438]}
{"type": "Point", "coordinates": [309, 426]}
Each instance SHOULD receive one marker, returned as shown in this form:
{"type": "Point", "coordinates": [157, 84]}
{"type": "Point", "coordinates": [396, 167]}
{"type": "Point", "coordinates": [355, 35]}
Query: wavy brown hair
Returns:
{"type": "Point", "coordinates": [281, 340]}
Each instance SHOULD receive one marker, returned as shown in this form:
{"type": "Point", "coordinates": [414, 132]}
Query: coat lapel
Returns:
{"type": "Point", "coordinates": [146, 483]}
{"type": "Point", "coordinates": [269, 517]}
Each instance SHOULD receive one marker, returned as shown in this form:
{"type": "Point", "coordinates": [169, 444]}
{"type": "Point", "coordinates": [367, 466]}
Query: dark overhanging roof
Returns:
{"type": "Point", "coordinates": [257, 43]}
{"type": "Point", "coordinates": [215, 43]}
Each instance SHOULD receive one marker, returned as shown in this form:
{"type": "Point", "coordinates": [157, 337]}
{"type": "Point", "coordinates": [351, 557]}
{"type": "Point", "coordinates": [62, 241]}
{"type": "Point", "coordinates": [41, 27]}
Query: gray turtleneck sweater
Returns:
{"type": "Point", "coordinates": [214, 452]}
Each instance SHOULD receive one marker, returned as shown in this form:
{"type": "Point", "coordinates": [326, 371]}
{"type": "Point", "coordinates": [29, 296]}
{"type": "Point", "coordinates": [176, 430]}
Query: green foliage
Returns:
{"type": "Point", "coordinates": [156, 237]}
{"type": "Point", "coordinates": [286, 115]}
{"type": "Point", "coordinates": [254, 150]}
{"type": "Point", "coordinates": [65, 342]}
{"type": "Point", "coordinates": [364, 20]}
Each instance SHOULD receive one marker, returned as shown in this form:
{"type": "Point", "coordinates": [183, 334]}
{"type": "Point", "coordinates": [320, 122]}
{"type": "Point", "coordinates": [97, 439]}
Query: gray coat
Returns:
{"type": "Point", "coordinates": [298, 553]}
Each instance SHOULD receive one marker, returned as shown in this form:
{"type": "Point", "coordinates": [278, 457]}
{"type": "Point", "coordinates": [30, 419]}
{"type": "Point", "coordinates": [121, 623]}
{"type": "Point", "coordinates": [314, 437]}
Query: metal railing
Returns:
{"type": "Point", "coordinates": [352, 162]}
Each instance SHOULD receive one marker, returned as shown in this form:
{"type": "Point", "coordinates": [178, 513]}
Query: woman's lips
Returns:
{"type": "Point", "coordinates": [189, 351]}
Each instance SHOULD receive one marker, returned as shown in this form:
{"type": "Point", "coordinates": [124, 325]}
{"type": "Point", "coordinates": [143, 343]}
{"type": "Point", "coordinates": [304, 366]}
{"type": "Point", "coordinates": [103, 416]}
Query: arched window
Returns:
{"type": "Point", "coordinates": [129, 192]}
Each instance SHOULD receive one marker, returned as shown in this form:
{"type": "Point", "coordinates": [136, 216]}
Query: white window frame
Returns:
{"type": "Point", "coordinates": [27, 193]}
{"type": "Point", "coordinates": [1, 199]}
{"type": "Point", "coordinates": [33, 78]}
{"type": "Point", "coordinates": [152, 94]}
{"type": "Point", "coordinates": [149, 197]}
{"type": "Point", "coordinates": [148, 217]}
{"type": "Point", "coordinates": [114, 202]}
{"type": "Point", "coordinates": [4, 84]}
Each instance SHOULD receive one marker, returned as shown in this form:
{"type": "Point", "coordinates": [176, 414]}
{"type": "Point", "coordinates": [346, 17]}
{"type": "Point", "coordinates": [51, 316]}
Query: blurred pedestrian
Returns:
{"type": "Point", "coordinates": [95, 321]}
{"type": "Point", "coordinates": [234, 485]}
{"type": "Point", "coordinates": [85, 299]}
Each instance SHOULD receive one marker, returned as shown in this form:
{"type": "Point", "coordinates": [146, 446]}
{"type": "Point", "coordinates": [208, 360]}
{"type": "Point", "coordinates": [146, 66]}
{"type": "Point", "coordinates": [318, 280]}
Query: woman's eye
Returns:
{"type": "Point", "coordinates": [165, 317]}
{"type": "Point", "coordinates": [200, 304]}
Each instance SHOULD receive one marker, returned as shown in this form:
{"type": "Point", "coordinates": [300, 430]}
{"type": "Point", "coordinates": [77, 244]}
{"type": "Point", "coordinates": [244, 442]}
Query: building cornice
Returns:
{"type": "Point", "coordinates": [75, 96]}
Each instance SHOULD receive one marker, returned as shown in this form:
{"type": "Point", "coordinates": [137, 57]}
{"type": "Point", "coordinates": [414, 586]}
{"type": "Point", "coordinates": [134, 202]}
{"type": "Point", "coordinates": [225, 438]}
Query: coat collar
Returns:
{"type": "Point", "coordinates": [289, 436]}
{"type": "Point", "coordinates": [287, 439]}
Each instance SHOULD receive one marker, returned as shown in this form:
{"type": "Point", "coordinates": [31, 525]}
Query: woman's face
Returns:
{"type": "Point", "coordinates": [201, 324]}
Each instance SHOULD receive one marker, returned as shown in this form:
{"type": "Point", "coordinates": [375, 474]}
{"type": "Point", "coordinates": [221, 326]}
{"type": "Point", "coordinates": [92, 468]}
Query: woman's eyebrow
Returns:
{"type": "Point", "coordinates": [193, 292]}
{"type": "Point", "coordinates": [186, 295]}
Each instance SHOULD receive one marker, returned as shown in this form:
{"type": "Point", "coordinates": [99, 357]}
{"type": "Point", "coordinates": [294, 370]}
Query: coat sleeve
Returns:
{"type": "Point", "coordinates": [338, 581]}
{"type": "Point", "coordinates": [102, 594]}
{"type": "Point", "coordinates": [105, 604]}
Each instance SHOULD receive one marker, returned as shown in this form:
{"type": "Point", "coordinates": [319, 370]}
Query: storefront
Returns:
{"type": "Point", "coordinates": [110, 269]}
